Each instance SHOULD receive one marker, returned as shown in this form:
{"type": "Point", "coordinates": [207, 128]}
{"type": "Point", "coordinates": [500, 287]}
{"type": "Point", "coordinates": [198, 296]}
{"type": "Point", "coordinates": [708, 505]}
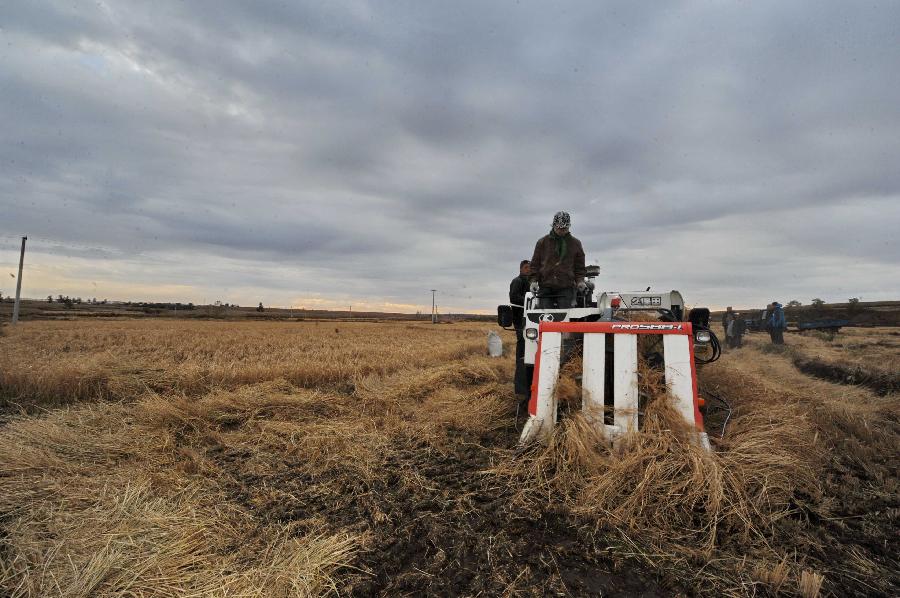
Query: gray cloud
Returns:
{"type": "Point", "coordinates": [346, 150]}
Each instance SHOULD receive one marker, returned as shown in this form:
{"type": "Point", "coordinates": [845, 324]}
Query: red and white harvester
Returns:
{"type": "Point", "coordinates": [611, 347]}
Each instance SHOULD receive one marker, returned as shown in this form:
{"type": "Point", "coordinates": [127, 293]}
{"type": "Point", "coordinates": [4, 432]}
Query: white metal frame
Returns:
{"type": "Point", "coordinates": [680, 375]}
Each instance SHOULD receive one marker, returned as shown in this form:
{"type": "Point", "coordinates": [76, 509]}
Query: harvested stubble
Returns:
{"type": "Point", "coordinates": [878, 347]}
{"type": "Point", "coordinates": [402, 479]}
{"type": "Point", "coordinates": [703, 516]}
{"type": "Point", "coordinates": [856, 356]}
{"type": "Point", "coordinates": [847, 531]}
{"type": "Point", "coordinates": [108, 511]}
{"type": "Point", "coordinates": [233, 493]}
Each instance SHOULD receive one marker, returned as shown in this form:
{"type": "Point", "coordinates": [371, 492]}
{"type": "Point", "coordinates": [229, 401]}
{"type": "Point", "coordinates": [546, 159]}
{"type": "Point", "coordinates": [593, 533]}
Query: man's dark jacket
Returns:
{"type": "Point", "coordinates": [517, 289]}
{"type": "Point", "coordinates": [553, 271]}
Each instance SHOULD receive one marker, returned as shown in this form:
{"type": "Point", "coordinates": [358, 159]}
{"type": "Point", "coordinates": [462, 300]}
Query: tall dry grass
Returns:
{"type": "Point", "coordinates": [58, 363]}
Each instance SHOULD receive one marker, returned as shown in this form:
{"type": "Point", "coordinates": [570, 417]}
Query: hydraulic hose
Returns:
{"type": "Point", "coordinates": [722, 405]}
{"type": "Point", "coordinates": [714, 345]}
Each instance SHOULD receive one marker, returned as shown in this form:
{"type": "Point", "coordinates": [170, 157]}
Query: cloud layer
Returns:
{"type": "Point", "coordinates": [348, 152]}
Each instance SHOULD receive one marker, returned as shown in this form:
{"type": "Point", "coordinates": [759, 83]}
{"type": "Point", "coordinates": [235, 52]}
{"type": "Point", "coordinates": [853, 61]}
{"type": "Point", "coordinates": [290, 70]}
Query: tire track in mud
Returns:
{"type": "Point", "coordinates": [436, 524]}
{"type": "Point", "coordinates": [882, 383]}
{"type": "Point", "coordinates": [449, 533]}
{"type": "Point", "coordinates": [848, 533]}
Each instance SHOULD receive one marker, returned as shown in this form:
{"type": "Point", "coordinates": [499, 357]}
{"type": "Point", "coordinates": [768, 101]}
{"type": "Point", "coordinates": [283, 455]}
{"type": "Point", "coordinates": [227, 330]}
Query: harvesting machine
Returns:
{"type": "Point", "coordinates": [611, 347]}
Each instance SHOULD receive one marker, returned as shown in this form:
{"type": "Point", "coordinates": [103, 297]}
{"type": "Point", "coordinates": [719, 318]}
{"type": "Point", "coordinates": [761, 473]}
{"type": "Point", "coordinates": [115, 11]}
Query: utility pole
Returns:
{"type": "Point", "coordinates": [15, 316]}
{"type": "Point", "coordinates": [433, 312]}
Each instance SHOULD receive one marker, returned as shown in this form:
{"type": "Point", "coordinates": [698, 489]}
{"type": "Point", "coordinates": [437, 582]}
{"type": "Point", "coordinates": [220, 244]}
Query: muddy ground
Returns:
{"type": "Point", "coordinates": [450, 529]}
{"type": "Point", "coordinates": [453, 533]}
{"type": "Point", "coordinates": [434, 518]}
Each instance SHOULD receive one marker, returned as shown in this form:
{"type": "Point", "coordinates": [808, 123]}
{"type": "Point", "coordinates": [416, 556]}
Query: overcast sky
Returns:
{"type": "Point", "coordinates": [337, 153]}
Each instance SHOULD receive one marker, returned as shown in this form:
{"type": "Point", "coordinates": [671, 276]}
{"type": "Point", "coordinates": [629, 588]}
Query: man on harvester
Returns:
{"type": "Point", "coordinates": [564, 311]}
{"type": "Point", "coordinates": [557, 267]}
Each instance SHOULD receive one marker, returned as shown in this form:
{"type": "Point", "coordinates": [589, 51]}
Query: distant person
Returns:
{"type": "Point", "coordinates": [776, 323]}
{"type": "Point", "coordinates": [557, 267]}
{"type": "Point", "coordinates": [728, 325]}
{"type": "Point", "coordinates": [740, 327]}
{"type": "Point", "coordinates": [517, 289]}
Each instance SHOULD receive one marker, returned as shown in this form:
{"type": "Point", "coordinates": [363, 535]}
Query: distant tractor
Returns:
{"type": "Point", "coordinates": [830, 326]}
{"type": "Point", "coordinates": [756, 320]}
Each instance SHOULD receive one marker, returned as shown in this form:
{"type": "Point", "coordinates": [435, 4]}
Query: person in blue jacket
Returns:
{"type": "Point", "coordinates": [776, 323]}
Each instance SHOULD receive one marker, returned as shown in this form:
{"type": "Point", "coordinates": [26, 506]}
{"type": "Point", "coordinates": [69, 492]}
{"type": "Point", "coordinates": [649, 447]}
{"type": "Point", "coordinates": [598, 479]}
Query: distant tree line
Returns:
{"type": "Point", "coordinates": [156, 305]}
{"type": "Point", "coordinates": [73, 301]}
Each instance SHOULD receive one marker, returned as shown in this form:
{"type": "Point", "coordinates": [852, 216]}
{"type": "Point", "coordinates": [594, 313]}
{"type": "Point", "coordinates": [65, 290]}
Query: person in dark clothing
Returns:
{"type": "Point", "coordinates": [728, 322]}
{"type": "Point", "coordinates": [557, 266]}
{"type": "Point", "coordinates": [740, 327]}
{"type": "Point", "coordinates": [776, 323]}
{"type": "Point", "coordinates": [517, 289]}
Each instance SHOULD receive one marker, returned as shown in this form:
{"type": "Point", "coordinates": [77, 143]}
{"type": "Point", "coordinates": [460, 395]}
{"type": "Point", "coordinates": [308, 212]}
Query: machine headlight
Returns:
{"type": "Point", "coordinates": [702, 336]}
{"type": "Point", "coordinates": [531, 333]}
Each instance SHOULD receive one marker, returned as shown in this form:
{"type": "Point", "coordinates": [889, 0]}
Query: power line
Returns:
{"type": "Point", "coordinates": [58, 244]}
{"type": "Point", "coordinates": [453, 295]}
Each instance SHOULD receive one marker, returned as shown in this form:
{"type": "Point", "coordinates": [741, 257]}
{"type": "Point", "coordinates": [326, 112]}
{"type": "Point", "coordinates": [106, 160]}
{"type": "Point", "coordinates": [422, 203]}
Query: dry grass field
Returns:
{"type": "Point", "coordinates": [866, 356]}
{"type": "Point", "coordinates": [59, 363]}
{"type": "Point", "coordinates": [172, 458]}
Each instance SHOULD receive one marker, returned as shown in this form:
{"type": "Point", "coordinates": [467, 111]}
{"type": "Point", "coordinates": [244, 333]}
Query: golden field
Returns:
{"type": "Point", "coordinates": [172, 458]}
{"type": "Point", "coordinates": [63, 362]}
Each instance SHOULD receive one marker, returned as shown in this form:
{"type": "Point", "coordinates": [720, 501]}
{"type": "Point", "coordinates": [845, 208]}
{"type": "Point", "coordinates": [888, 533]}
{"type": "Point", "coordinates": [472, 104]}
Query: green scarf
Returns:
{"type": "Point", "coordinates": [560, 243]}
